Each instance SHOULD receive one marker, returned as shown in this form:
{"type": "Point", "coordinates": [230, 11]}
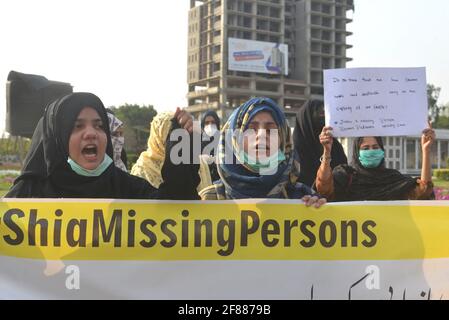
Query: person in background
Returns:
{"type": "Point", "coordinates": [307, 147]}
{"type": "Point", "coordinates": [118, 140]}
{"type": "Point", "coordinates": [368, 178]}
{"type": "Point", "coordinates": [210, 123]}
{"type": "Point", "coordinates": [210, 130]}
{"type": "Point", "coordinates": [71, 157]}
{"type": "Point", "coordinates": [247, 136]}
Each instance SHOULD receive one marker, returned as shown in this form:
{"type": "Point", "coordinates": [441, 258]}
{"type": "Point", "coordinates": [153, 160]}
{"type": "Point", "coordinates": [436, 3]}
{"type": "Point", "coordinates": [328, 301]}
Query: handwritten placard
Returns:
{"type": "Point", "coordinates": [375, 101]}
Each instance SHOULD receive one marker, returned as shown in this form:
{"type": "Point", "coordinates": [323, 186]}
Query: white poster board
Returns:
{"type": "Point", "coordinates": [257, 56]}
{"type": "Point", "coordinates": [375, 101]}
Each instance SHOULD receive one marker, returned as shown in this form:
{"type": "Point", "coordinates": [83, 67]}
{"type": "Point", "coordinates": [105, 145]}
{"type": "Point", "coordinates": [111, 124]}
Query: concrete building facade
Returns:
{"type": "Point", "coordinates": [314, 30]}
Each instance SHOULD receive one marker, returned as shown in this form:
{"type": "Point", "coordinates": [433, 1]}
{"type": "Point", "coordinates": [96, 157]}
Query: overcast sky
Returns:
{"type": "Point", "coordinates": [134, 51]}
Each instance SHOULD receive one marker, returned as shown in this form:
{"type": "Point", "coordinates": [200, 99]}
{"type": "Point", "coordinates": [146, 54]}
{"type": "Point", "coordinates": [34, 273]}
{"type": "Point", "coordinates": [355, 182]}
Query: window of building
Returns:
{"type": "Point", "coordinates": [316, 90]}
{"type": "Point", "coordinates": [232, 20]}
{"type": "Point", "coordinates": [275, 12]}
{"type": "Point", "coordinates": [444, 149]}
{"type": "Point", "coordinates": [262, 10]}
{"type": "Point", "coordinates": [294, 90]}
{"type": "Point", "coordinates": [263, 86]}
{"type": "Point", "coordinates": [434, 156]}
{"type": "Point", "coordinates": [274, 26]}
{"type": "Point", "coordinates": [262, 37]}
{"type": "Point", "coordinates": [419, 155]}
{"type": "Point", "coordinates": [248, 7]}
{"type": "Point", "coordinates": [316, 7]}
{"type": "Point", "coordinates": [389, 141]}
{"type": "Point", "coordinates": [326, 63]}
{"type": "Point", "coordinates": [326, 35]}
{"type": "Point", "coordinates": [338, 63]}
{"type": "Point", "coordinates": [316, 62]}
{"type": "Point", "coordinates": [262, 24]}
{"type": "Point", "coordinates": [246, 35]}
{"type": "Point", "coordinates": [411, 158]}
{"type": "Point", "coordinates": [339, 37]}
{"type": "Point", "coordinates": [316, 77]}
{"type": "Point", "coordinates": [340, 24]}
{"type": "Point", "coordinates": [339, 12]}
{"type": "Point", "coordinates": [316, 20]}
{"type": "Point", "coordinates": [315, 47]}
{"type": "Point", "coordinates": [339, 50]}
{"type": "Point", "coordinates": [326, 48]}
{"type": "Point", "coordinates": [247, 22]}
{"type": "Point", "coordinates": [326, 22]}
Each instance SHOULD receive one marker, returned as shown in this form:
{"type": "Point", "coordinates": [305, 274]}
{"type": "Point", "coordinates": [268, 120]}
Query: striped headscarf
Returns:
{"type": "Point", "coordinates": [237, 177]}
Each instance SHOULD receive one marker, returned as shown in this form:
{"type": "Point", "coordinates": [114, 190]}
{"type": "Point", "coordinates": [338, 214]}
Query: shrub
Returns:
{"type": "Point", "coordinates": [442, 174]}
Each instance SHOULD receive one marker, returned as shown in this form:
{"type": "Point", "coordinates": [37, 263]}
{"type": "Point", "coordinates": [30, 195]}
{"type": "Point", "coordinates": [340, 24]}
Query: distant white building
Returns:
{"type": "Point", "coordinates": [404, 153]}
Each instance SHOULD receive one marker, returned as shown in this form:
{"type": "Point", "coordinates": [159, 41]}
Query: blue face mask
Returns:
{"type": "Point", "coordinates": [90, 173]}
{"type": "Point", "coordinates": [371, 158]}
{"type": "Point", "coordinates": [268, 165]}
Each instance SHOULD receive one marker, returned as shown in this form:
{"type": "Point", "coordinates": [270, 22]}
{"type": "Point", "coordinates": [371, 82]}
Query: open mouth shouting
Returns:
{"type": "Point", "coordinates": [90, 152]}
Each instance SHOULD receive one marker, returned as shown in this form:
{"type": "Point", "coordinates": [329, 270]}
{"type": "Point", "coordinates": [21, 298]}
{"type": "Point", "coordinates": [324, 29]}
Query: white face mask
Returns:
{"type": "Point", "coordinates": [210, 129]}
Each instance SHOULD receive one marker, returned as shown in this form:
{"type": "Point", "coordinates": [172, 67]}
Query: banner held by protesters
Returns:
{"type": "Point", "coordinates": [247, 249]}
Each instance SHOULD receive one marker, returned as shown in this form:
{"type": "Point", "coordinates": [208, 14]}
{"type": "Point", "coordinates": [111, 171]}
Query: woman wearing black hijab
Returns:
{"type": "Point", "coordinates": [210, 123]}
{"type": "Point", "coordinates": [307, 146]}
{"type": "Point", "coordinates": [210, 128]}
{"type": "Point", "coordinates": [71, 157]}
{"type": "Point", "coordinates": [368, 178]}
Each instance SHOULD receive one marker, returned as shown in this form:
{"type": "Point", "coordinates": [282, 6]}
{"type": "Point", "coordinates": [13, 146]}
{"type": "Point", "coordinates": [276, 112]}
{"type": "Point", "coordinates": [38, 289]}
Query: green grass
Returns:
{"type": "Point", "coordinates": [5, 183]}
{"type": "Point", "coordinates": [4, 187]}
{"type": "Point", "coordinates": [6, 179]}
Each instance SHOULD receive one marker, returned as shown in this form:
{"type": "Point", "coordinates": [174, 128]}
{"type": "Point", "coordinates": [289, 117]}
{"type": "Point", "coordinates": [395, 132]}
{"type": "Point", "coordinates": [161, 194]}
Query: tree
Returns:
{"type": "Point", "coordinates": [442, 123]}
{"type": "Point", "coordinates": [433, 94]}
{"type": "Point", "coordinates": [136, 120]}
{"type": "Point", "coordinates": [13, 148]}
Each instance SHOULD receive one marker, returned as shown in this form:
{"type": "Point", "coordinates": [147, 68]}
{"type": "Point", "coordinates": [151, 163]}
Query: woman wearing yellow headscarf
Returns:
{"type": "Point", "coordinates": [149, 164]}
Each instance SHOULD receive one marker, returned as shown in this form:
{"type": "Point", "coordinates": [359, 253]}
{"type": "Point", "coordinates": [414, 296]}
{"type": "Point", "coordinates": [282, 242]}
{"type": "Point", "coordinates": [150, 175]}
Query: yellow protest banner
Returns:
{"type": "Point", "coordinates": [222, 230]}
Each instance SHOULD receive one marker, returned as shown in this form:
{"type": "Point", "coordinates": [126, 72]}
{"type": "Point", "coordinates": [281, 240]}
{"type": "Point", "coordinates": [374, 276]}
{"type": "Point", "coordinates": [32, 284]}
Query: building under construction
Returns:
{"type": "Point", "coordinates": [275, 48]}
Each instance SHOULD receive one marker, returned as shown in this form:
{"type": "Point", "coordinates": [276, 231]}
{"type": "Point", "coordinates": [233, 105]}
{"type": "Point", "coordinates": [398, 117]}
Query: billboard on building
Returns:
{"type": "Point", "coordinates": [257, 56]}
